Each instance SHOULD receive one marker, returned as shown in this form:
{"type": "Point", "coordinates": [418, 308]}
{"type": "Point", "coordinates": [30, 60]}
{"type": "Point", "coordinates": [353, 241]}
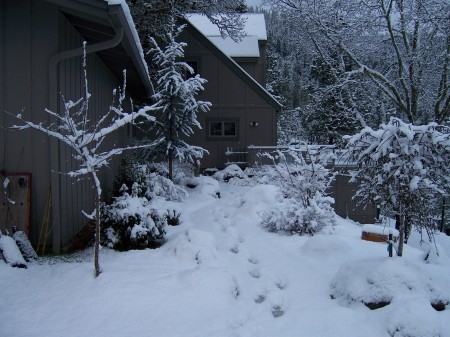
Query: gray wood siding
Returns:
{"type": "Point", "coordinates": [77, 195]}
{"type": "Point", "coordinates": [24, 90]}
{"type": "Point", "coordinates": [31, 32]}
{"type": "Point", "coordinates": [231, 97]}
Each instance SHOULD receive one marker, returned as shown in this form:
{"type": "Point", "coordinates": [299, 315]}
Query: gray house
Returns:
{"type": "Point", "coordinates": [40, 59]}
{"type": "Point", "coordinates": [243, 113]}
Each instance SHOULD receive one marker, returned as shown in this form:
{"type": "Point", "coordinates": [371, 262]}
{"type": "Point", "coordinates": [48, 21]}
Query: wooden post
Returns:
{"type": "Point", "coordinates": [390, 245]}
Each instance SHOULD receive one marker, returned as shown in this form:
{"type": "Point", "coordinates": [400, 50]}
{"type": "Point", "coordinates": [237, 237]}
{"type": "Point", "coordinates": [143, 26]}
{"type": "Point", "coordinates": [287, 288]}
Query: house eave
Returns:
{"type": "Point", "coordinates": [96, 20]}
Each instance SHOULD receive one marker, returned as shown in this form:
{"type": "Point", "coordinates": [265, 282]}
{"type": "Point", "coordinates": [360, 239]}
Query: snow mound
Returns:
{"type": "Point", "coordinates": [11, 252]}
{"type": "Point", "coordinates": [193, 245]}
{"type": "Point", "coordinates": [204, 185]}
{"type": "Point", "coordinates": [231, 171]}
{"type": "Point", "coordinates": [260, 198]}
{"type": "Point", "coordinates": [415, 319]}
{"type": "Point", "coordinates": [325, 245]}
{"type": "Point", "coordinates": [382, 280]}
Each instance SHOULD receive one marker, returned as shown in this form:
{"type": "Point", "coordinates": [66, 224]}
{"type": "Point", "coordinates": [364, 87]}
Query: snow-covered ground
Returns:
{"type": "Point", "coordinates": [221, 275]}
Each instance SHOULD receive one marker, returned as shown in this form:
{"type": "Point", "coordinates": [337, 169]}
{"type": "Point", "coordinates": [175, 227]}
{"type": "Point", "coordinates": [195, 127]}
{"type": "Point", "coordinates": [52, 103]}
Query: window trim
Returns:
{"type": "Point", "coordinates": [222, 121]}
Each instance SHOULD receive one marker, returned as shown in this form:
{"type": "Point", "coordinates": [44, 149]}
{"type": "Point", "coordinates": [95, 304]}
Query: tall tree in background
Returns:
{"type": "Point", "coordinates": [176, 101]}
{"type": "Point", "coordinates": [402, 47]}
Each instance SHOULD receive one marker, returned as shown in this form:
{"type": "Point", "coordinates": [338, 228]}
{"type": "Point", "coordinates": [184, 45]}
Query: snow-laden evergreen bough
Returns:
{"type": "Point", "coordinates": [177, 103]}
{"type": "Point", "coordinates": [303, 178]}
{"type": "Point", "coordinates": [84, 133]}
{"type": "Point", "coordinates": [403, 168]}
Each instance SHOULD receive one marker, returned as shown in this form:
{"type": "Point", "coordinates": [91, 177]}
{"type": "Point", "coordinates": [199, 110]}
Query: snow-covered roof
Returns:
{"type": "Point", "coordinates": [254, 30]}
{"type": "Point", "coordinates": [236, 67]}
{"type": "Point", "coordinates": [126, 11]}
{"type": "Point", "coordinates": [255, 24]}
{"type": "Point", "coordinates": [247, 47]}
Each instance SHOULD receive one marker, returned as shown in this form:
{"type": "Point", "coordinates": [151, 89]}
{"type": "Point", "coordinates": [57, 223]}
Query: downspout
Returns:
{"type": "Point", "coordinates": [55, 160]}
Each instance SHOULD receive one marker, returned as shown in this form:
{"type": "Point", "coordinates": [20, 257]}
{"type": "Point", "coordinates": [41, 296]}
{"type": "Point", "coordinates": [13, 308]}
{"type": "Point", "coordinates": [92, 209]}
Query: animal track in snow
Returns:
{"type": "Point", "coordinates": [277, 311]}
{"type": "Point", "coordinates": [260, 298]}
{"type": "Point", "coordinates": [255, 273]}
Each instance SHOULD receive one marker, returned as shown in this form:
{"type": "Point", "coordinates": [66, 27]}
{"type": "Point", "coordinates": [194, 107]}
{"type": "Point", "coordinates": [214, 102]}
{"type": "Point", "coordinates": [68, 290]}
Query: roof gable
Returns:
{"type": "Point", "coordinates": [258, 88]}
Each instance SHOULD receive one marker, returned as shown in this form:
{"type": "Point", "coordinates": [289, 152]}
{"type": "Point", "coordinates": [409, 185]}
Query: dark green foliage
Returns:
{"type": "Point", "coordinates": [131, 231]}
{"type": "Point", "coordinates": [128, 173]}
{"type": "Point", "coordinates": [173, 217]}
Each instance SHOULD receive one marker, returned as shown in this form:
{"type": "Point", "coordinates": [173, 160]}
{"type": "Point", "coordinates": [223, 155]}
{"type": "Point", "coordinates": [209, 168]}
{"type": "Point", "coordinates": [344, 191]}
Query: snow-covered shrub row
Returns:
{"type": "Point", "coordinates": [303, 180]}
{"type": "Point", "coordinates": [151, 180]}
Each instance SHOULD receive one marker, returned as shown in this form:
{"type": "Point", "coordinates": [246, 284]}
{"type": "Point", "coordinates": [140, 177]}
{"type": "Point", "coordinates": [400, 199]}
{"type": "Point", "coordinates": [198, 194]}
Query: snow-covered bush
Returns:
{"type": "Point", "coordinates": [229, 172]}
{"type": "Point", "coordinates": [292, 217]}
{"type": "Point", "coordinates": [303, 179]}
{"type": "Point", "coordinates": [403, 167]}
{"type": "Point", "coordinates": [159, 186]}
{"type": "Point", "coordinates": [150, 179]}
{"type": "Point", "coordinates": [128, 223]}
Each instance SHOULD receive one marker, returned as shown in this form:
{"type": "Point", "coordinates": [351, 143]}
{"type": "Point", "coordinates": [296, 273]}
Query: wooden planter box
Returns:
{"type": "Point", "coordinates": [377, 233]}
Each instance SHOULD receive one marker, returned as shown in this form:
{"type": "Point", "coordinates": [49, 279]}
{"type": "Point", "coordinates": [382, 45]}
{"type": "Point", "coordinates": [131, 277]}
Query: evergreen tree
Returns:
{"type": "Point", "coordinates": [176, 91]}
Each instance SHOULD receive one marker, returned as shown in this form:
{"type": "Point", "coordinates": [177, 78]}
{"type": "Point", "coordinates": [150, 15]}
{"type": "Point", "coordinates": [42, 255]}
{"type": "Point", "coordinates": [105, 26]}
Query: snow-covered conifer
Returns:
{"type": "Point", "coordinates": [176, 91]}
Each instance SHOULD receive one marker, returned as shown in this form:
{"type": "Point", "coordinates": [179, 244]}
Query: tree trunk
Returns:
{"type": "Point", "coordinates": [401, 229]}
{"type": "Point", "coordinates": [97, 195]}
{"type": "Point", "coordinates": [97, 236]}
{"type": "Point", "coordinates": [171, 164]}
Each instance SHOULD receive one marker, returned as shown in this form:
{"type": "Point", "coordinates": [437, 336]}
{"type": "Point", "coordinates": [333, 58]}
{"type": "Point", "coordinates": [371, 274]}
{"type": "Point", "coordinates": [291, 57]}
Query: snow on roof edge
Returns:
{"type": "Point", "coordinates": [126, 11]}
{"type": "Point", "coordinates": [255, 24]}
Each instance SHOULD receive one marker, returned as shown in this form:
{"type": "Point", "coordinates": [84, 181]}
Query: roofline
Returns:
{"type": "Point", "coordinates": [99, 11]}
{"type": "Point", "coordinates": [255, 85]}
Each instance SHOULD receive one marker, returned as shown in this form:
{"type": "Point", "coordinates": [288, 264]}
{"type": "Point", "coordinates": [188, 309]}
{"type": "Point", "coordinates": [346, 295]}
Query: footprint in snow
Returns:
{"type": "Point", "coordinates": [252, 260]}
{"type": "Point", "coordinates": [255, 273]}
{"type": "Point", "coordinates": [259, 299]}
{"type": "Point", "coordinates": [277, 311]}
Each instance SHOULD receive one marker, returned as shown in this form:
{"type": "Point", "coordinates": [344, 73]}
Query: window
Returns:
{"type": "Point", "coordinates": [223, 129]}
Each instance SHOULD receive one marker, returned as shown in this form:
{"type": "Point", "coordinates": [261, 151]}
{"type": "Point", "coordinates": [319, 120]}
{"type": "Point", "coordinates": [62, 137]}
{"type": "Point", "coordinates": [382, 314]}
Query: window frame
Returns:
{"type": "Point", "coordinates": [222, 122]}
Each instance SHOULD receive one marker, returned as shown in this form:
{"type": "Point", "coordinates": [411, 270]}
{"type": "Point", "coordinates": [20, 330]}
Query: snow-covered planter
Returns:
{"type": "Point", "coordinates": [378, 282]}
{"type": "Point", "coordinates": [129, 224]}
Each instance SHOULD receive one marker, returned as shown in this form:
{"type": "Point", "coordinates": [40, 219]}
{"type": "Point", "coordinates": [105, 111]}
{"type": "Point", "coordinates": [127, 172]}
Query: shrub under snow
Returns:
{"type": "Point", "coordinates": [291, 216]}
{"type": "Point", "coordinates": [128, 223]}
{"type": "Point", "coordinates": [303, 180]}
